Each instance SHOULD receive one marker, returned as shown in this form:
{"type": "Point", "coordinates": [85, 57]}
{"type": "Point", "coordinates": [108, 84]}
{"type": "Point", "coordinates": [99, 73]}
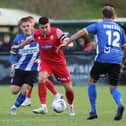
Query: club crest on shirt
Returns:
{"type": "Point", "coordinates": [39, 37]}
{"type": "Point", "coordinates": [51, 37]}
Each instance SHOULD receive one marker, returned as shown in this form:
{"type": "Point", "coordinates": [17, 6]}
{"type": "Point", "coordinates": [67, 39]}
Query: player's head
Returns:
{"type": "Point", "coordinates": [25, 25]}
{"type": "Point", "coordinates": [32, 21]}
{"type": "Point", "coordinates": [44, 25]}
{"type": "Point", "coordinates": [108, 12]}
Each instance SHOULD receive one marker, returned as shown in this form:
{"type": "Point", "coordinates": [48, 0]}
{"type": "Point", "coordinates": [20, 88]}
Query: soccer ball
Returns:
{"type": "Point", "coordinates": [59, 105]}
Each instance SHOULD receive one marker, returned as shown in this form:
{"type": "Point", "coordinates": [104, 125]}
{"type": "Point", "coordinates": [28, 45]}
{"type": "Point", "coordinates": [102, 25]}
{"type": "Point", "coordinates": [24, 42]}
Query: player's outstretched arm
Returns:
{"type": "Point", "coordinates": [25, 42]}
{"type": "Point", "coordinates": [77, 35]}
{"type": "Point", "coordinates": [71, 39]}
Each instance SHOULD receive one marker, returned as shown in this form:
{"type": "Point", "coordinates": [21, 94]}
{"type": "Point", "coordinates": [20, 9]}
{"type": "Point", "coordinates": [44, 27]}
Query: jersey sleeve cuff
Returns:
{"type": "Point", "coordinates": [123, 45]}
{"type": "Point", "coordinates": [85, 31]}
{"type": "Point", "coordinates": [12, 52]}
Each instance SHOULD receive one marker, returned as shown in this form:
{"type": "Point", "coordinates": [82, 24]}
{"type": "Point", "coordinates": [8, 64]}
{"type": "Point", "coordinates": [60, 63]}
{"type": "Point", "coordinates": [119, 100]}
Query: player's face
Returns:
{"type": "Point", "coordinates": [32, 23]}
{"type": "Point", "coordinates": [45, 28]}
{"type": "Point", "coordinates": [26, 28]}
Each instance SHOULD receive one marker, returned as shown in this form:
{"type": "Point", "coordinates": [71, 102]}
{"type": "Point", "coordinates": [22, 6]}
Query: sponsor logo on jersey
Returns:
{"type": "Point", "coordinates": [46, 47]}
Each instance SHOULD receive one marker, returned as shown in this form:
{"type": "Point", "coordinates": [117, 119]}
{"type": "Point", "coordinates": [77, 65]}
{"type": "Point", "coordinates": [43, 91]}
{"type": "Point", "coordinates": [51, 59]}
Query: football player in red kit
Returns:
{"type": "Point", "coordinates": [49, 38]}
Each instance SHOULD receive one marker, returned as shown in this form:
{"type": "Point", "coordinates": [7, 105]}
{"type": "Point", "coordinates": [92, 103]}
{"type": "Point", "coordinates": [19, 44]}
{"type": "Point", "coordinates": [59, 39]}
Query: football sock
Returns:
{"type": "Point", "coordinates": [58, 95]}
{"type": "Point", "coordinates": [117, 96]}
{"type": "Point", "coordinates": [42, 92]}
{"type": "Point", "coordinates": [70, 96]}
{"type": "Point", "coordinates": [51, 87]}
{"type": "Point", "coordinates": [92, 94]}
{"type": "Point", "coordinates": [43, 105]}
{"type": "Point", "coordinates": [29, 93]}
{"type": "Point", "coordinates": [20, 99]}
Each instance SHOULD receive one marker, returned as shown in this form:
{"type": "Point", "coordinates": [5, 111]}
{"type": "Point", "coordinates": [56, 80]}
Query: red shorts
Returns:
{"type": "Point", "coordinates": [60, 71]}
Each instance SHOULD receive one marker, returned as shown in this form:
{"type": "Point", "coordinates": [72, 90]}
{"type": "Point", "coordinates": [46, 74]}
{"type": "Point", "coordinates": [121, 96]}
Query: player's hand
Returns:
{"type": "Point", "coordinates": [15, 47]}
{"type": "Point", "coordinates": [37, 61]}
{"type": "Point", "coordinates": [29, 38]}
{"type": "Point", "coordinates": [13, 66]}
{"type": "Point", "coordinates": [60, 47]}
{"type": "Point", "coordinates": [12, 72]}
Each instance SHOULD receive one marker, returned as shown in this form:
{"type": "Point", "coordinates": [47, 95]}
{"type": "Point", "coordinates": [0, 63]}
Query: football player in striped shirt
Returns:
{"type": "Point", "coordinates": [24, 62]}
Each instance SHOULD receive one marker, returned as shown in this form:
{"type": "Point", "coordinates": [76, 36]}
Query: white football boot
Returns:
{"type": "Point", "coordinates": [70, 110]}
{"type": "Point", "coordinates": [41, 110]}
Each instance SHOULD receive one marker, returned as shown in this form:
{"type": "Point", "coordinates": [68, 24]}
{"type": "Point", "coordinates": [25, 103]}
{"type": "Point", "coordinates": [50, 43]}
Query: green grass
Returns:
{"type": "Point", "coordinates": [105, 108]}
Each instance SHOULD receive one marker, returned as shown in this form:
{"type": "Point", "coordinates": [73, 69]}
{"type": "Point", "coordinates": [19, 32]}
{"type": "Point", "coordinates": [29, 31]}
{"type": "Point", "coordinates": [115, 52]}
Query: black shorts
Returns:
{"type": "Point", "coordinates": [113, 71]}
{"type": "Point", "coordinates": [24, 77]}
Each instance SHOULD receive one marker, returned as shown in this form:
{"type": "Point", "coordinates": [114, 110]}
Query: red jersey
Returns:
{"type": "Point", "coordinates": [48, 45]}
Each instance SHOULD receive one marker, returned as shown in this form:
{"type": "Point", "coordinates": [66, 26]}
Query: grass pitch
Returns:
{"type": "Point", "coordinates": [106, 109]}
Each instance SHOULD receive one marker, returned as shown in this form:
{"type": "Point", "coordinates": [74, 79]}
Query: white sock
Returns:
{"type": "Point", "coordinates": [58, 95]}
{"type": "Point", "coordinates": [28, 99]}
{"type": "Point", "coordinates": [43, 105]}
{"type": "Point", "coordinates": [14, 106]}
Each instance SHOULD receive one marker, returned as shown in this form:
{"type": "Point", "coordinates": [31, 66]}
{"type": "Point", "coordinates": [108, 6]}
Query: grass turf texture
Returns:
{"type": "Point", "coordinates": [105, 108]}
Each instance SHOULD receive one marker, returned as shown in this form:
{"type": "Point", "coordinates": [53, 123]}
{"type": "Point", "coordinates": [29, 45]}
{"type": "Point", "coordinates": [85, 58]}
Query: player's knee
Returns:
{"type": "Point", "coordinates": [25, 89]}
{"type": "Point", "coordinates": [91, 80]}
{"type": "Point", "coordinates": [68, 86]}
{"type": "Point", "coordinates": [42, 79]}
{"type": "Point", "coordinates": [15, 89]}
{"type": "Point", "coordinates": [43, 76]}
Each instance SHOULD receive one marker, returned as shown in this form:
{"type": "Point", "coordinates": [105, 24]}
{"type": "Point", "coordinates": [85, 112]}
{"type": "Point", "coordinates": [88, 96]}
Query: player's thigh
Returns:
{"type": "Point", "coordinates": [114, 72]}
{"type": "Point", "coordinates": [62, 73]}
{"type": "Point", "coordinates": [30, 77]}
{"type": "Point", "coordinates": [16, 81]}
{"type": "Point", "coordinates": [26, 88]}
{"type": "Point", "coordinates": [96, 71]}
{"type": "Point", "coordinates": [68, 86]}
{"type": "Point", "coordinates": [44, 72]}
{"type": "Point", "coordinates": [43, 76]}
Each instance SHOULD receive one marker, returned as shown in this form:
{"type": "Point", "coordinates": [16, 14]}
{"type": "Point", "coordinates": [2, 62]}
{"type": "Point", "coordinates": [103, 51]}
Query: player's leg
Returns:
{"type": "Point", "coordinates": [42, 92]}
{"type": "Point", "coordinates": [27, 101]}
{"type": "Point", "coordinates": [53, 89]}
{"type": "Point", "coordinates": [62, 74]}
{"type": "Point", "coordinates": [69, 92]}
{"type": "Point", "coordinates": [16, 82]}
{"type": "Point", "coordinates": [14, 89]}
{"type": "Point", "coordinates": [96, 70]}
{"type": "Point", "coordinates": [30, 78]}
{"type": "Point", "coordinates": [44, 83]}
{"type": "Point", "coordinates": [20, 99]}
{"type": "Point", "coordinates": [116, 94]}
{"type": "Point", "coordinates": [92, 95]}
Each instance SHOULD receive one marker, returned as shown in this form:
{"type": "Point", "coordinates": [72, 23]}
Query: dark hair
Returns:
{"type": "Point", "coordinates": [24, 19]}
{"type": "Point", "coordinates": [43, 20]}
{"type": "Point", "coordinates": [108, 11]}
{"type": "Point", "coordinates": [85, 38]}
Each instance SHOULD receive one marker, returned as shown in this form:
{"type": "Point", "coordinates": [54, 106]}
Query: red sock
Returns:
{"type": "Point", "coordinates": [70, 96]}
{"type": "Point", "coordinates": [30, 93]}
{"type": "Point", "coordinates": [42, 92]}
{"type": "Point", "coordinates": [51, 87]}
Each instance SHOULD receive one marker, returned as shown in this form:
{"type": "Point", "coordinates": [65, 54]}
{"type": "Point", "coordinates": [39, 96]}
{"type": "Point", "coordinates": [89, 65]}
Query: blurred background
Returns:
{"type": "Point", "coordinates": [65, 9]}
{"type": "Point", "coordinates": [70, 16]}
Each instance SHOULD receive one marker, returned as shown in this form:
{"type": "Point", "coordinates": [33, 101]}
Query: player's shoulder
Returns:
{"type": "Point", "coordinates": [100, 22]}
{"type": "Point", "coordinates": [55, 29]}
{"type": "Point", "coordinates": [58, 32]}
{"type": "Point", "coordinates": [19, 36]}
